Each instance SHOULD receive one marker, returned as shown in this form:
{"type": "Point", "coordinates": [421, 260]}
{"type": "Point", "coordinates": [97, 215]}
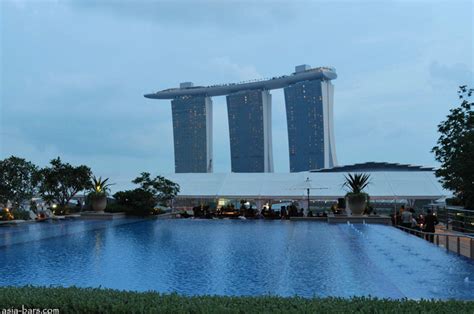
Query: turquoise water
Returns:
{"type": "Point", "coordinates": [232, 257]}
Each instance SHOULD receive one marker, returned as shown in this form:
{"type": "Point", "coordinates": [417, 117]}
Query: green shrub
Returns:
{"type": "Point", "coordinates": [60, 210]}
{"type": "Point", "coordinates": [136, 202]}
{"type": "Point", "coordinates": [454, 201]}
{"type": "Point", "coordinates": [119, 208]}
{"type": "Point", "coordinates": [65, 210]}
{"type": "Point", "coordinates": [80, 300]}
{"type": "Point", "coordinates": [20, 214]}
{"type": "Point", "coordinates": [116, 208]}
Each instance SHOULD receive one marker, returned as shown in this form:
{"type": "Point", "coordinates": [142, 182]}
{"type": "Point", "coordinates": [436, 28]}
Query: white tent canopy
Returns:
{"type": "Point", "coordinates": [323, 185]}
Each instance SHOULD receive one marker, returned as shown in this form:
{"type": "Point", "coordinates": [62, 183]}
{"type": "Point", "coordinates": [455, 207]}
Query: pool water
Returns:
{"type": "Point", "coordinates": [232, 257]}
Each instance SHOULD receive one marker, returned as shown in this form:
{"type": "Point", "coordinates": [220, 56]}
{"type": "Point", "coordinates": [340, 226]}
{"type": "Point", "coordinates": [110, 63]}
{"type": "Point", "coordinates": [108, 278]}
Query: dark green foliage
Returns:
{"type": "Point", "coordinates": [455, 149]}
{"type": "Point", "coordinates": [454, 201]}
{"type": "Point", "coordinates": [33, 206]}
{"type": "Point", "coordinates": [164, 190]}
{"type": "Point", "coordinates": [142, 201]}
{"type": "Point", "coordinates": [60, 182]}
{"type": "Point", "coordinates": [20, 214]}
{"type": "Point", "coordinates": [78, 300]}
{"type": "Point", "coordinates": [356, 182]}
{"type": "Point", "coordinates": [17, 181]}
{"type": "Point", "coordinates": [136, 202]}
{"type": "Point", "coordinates": [116, 208]}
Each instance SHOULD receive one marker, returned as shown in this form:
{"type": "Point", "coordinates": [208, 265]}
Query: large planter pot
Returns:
{"type": "Point", "coordinates": [356, 203]}
{"type": "Point", "coordinates": [99, 203]}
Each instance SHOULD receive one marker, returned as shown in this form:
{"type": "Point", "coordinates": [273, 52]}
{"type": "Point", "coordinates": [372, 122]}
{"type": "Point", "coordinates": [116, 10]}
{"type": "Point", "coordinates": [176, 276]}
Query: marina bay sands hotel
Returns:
{"type": "Point", "coordinates": [309, 112]}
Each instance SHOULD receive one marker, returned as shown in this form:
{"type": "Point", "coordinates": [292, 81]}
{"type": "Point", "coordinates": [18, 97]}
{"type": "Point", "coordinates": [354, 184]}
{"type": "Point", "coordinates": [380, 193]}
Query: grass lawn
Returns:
{"type": "Point", "coordinates": [88, 300]}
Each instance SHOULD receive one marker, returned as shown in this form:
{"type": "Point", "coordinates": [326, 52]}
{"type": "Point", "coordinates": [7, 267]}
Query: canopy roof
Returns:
{"type": "Point", "coordinates": [323, 185]}
{"type": "Point", "coordinates": [372, 166]}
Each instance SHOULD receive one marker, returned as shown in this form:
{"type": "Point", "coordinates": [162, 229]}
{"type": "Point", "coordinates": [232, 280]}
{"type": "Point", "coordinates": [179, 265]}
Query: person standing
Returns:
{"type": "Point", "coordinates": [406, 218]}
{"type": "Point", "coordinates": [430, 222]}
{"type": "Point", "coordinates": [283, 212]}
{"type": "Point", "coordinates": [398, 215]}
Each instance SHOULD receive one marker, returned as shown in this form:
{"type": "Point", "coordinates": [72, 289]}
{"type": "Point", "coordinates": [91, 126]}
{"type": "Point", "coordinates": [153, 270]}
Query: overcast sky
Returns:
{"type": "Point", "coordinates": [73, 74]}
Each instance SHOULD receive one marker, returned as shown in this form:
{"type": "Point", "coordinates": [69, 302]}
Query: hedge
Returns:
{"type": "Point", "coordinates": [89, 300]}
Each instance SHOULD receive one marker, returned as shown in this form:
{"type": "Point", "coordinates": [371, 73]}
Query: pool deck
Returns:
{"type": "Point", "coordinates": [12, 222]}
{"type": "Point", "coordinates": [102, 215]}
{"type": "Point", "coordinates": [455, 242]}
{"type": "Point", "coordinates": [21, 221]}
{"type": "Point", "coordinates": [378, 219]}
{"type": "Point", "coordinates": [334, 219]}
{"type": "Point", "coordinates": [465, 244]}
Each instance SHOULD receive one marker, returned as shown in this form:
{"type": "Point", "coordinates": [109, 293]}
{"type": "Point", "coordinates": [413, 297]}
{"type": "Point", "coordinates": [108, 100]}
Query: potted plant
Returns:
{"type": "Point", "coordinates": [356, 199]}
{"type": "Point", "coordinates": [98, 193]}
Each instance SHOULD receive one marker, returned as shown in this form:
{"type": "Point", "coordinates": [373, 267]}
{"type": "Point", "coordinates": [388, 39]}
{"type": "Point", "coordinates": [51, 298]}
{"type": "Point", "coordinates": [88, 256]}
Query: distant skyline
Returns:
{"type": "Point", "coordinates": [73, 75]}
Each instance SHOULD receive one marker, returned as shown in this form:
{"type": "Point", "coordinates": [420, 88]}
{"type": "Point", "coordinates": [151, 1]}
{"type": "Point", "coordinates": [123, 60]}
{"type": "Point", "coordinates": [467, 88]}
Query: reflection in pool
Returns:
{"type": "Point", "coordinates": [233, 257]}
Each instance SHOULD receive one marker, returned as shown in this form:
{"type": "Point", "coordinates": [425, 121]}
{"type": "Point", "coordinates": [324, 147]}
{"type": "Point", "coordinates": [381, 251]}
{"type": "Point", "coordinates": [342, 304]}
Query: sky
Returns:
{"type": "Point", "coordinates": [73, 74]}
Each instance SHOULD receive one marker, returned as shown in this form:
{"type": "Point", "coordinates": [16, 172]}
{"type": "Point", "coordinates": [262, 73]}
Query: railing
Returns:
{"type": "Point", "coordinates": [318, 69]}
{"type": "Point", "coordinates": [462, 244]}
{"type": "Point", "coordinates": [459, 219]}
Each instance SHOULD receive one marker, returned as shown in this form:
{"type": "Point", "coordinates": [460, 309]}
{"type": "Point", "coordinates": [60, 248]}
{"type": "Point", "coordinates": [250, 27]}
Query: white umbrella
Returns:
{"type": "Point", "coordinates": [307, 186]}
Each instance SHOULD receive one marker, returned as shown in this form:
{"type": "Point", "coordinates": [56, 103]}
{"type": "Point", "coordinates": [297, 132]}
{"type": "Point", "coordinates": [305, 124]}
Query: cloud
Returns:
{"type": "Point", "coordinates": [240, 72]}
{"type": "Point", "coordinates": [457, 73]}
{"type": "Point", "coordinates": [81, 116]}
{"type": "Point", "coordinates": [186, 13]}
{"type": "Point", "coordinates": [74, 74]}
{"type": "Point", "coordinates": [19, 4]}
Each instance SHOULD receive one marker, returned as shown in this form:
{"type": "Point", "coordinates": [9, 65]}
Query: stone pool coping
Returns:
{"type": "Point", "coordinates": [101, 215]}
{"type": "Point", "coordinates": [379, 219]}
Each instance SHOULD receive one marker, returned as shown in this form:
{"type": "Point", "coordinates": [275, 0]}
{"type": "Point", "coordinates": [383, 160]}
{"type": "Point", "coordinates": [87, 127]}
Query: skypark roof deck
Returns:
{"type": "Point", "coordinates": [320, 73]}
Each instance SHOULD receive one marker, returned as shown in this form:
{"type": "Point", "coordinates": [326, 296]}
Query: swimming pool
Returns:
{"type": "Point", "coordinates": [232, 257]}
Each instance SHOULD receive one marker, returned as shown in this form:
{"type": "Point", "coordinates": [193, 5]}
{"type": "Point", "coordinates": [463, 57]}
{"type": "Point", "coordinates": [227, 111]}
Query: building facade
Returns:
{"type": "Point", "coordinates": [309, 114]}
{"type": "Point", "coordinates": [192, 132]}
{"type": "Point", "coordinates": [249, 114]}
{"type": "Point", "coordinates": [309, 107]}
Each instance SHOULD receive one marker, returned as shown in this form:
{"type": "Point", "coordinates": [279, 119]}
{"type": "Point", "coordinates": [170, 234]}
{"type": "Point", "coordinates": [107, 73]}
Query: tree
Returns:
{"type": "Point", "coordinates": [17, 181]}
{"type": "Point", "coordinates": [61, 182]}
{"type": "Point", "coordinates": [136, 202]}
{"type": "Point", "coordinates": [455, 149]}
{"type": "Point", "coordinates": [163, 190]}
